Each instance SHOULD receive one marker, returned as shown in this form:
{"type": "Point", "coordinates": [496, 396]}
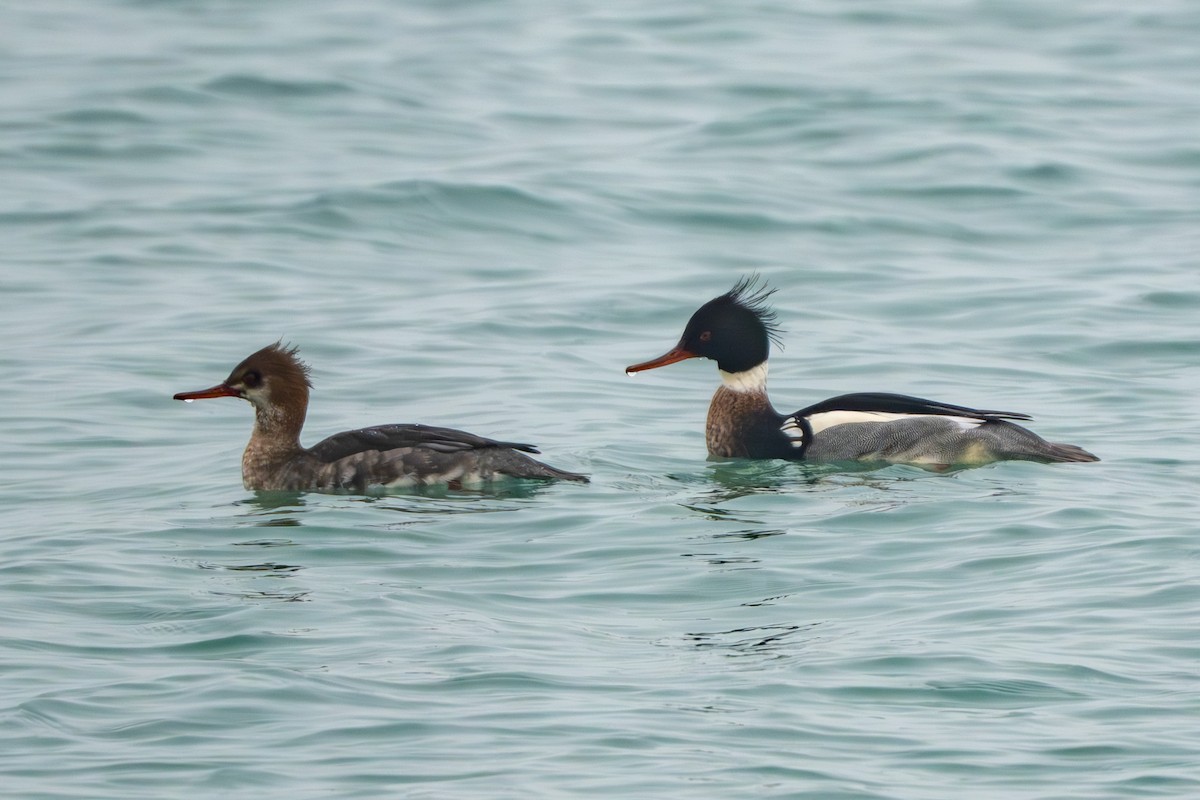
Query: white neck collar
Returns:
{"type": "Point", "coordinates": [751, 380]}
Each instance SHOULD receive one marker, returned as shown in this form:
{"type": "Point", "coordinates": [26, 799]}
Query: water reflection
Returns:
{"type": "Point", "coordinates": [749, 476]}
{"type": "Point", "coordinates": [730, 480]}
{"type": "Point", "coordinates": [725, 560]}
{"type": "Point", "coordinates": [287, 508]}
{"type": "Point", "coordinates": [725, 481]}
{"type": "Point", "coordinates": [756, 640]}
{"type": "Point", "coordinates": [751, 534]}
{"type": "Point", "coordinates": [286, 597]}
{"type": "Point", "coordinates": [336, 521]}
{"type": "Point", "coordinates": [270, 570]}
{"type": "Point", "coordinates": [274, 501]}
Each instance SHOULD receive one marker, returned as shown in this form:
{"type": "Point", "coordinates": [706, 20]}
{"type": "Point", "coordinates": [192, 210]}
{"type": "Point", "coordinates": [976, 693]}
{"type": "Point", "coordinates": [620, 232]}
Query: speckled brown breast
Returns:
{"type": "Point", "coordinates": [736, 419]}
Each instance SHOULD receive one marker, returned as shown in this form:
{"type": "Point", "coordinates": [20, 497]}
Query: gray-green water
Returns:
{"type": "Point", "coordinates": [476, 214]}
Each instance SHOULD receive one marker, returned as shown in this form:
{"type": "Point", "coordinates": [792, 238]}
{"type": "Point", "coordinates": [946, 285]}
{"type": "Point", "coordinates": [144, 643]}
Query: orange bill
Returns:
{"type": "Point", "coordinates": [220, 390]}
{"type": "Point", "coordinates": [670, 357]}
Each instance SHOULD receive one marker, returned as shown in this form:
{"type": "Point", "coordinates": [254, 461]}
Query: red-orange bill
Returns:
{"type": "Point", "coordinates": [220, 390]}
{"type": "Point", "coordinates": [670, 357]}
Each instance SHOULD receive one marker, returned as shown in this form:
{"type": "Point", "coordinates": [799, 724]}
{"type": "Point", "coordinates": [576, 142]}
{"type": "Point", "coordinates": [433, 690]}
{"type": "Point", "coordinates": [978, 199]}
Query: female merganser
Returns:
{"type": "Point", "coordinates": [276, 383]}
{"type": "Point", "coordinates": [736, 330]}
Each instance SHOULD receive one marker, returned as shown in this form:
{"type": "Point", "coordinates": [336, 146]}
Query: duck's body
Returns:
{"type": "Point", "coordinates": [276, 383]}
{"type": "Point", "coordinates": [735, 330]}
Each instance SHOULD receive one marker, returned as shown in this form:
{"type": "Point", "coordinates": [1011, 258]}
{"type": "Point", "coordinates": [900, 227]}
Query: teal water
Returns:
{"type": "Point", "coordinates": [476, 213]}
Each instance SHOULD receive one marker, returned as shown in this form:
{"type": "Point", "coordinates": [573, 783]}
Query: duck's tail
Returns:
{"type": "Point", "coordinates": [554, 473]}
{"type": "Point", "coordinates": [519, 465]}
{"type": "Point", "coordinates": [1058, 452]}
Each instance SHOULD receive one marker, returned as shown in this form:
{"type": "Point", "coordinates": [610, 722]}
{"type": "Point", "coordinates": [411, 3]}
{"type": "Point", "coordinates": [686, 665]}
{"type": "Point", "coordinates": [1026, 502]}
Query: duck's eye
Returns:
{"type": "Point", "coordinates": [704, 337]}
{"type": "Point", "coordinates": [252, 379]}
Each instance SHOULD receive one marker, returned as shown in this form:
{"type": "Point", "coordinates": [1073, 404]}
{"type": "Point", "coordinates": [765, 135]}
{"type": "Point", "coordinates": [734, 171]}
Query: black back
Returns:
{"type": "Point", "coordinates": [886, 402]}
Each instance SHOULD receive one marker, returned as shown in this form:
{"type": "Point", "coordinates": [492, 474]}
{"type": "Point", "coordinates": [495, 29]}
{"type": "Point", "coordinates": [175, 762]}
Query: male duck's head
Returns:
{"type": "Point", "coordinates": [735, 330]}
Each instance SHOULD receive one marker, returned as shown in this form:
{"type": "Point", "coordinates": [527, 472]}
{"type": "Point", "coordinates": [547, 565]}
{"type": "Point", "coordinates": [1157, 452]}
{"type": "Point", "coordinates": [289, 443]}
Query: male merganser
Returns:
{"type": "Point", "coordinates": [736, 330]}
{"type": "Point", "coordinates": [276, 383]}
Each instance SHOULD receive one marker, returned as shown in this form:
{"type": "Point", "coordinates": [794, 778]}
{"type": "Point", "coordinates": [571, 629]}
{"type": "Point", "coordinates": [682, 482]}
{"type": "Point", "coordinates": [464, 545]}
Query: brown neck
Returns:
{"type": "Point", "coordinates": [274, 442]}
{"type": "Point", "coordinates": [742, 424]}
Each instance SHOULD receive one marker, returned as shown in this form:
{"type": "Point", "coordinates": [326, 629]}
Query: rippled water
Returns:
{"type": "Point", "coordinates": [476, 214]}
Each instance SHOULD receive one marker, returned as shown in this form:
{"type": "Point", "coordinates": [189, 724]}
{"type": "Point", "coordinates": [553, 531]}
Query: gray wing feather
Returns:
{"type": "Point", "coordinates": [391, 437]}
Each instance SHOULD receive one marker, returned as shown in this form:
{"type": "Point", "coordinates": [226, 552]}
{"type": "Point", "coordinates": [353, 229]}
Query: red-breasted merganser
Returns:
{"type": "Point", "coordinates": [736, 330]}
{"type": "Point", "coordinates": [276, 383]}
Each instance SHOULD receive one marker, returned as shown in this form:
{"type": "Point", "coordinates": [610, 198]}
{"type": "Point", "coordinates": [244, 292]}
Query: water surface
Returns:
{"type": "Point", "coordinates": [476, 214]}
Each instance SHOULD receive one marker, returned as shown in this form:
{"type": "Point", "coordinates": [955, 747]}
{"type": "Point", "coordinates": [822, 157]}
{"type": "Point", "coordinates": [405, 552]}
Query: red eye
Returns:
{"type": "Point", "coordinates": [704, 337]}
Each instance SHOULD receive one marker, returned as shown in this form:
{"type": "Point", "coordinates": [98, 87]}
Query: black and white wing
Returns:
{"type": "Point", "coordinates": [878, 405]}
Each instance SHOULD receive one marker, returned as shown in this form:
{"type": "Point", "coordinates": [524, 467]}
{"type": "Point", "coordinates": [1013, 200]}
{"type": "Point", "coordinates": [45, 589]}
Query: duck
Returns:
{"type": "Point", "coordinates": [277, 383]}
{"type": "Point", "coordinates": [736, 330]}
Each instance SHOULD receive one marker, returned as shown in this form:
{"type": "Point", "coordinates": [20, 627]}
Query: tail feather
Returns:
{"type": "Point", "coordinates": [519, 465]}
{"type": "Point", "coordinates": [1059, 452]}
{"type": "Point", "coordinates": [560, 474]}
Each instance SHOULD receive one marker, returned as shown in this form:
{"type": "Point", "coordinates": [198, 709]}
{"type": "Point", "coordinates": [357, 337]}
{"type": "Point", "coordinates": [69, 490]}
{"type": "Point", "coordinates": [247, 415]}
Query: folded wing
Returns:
{"type": "Point", "coordinates": [391, 437]}
{"type": "Point", "coordinates": [887, 403]}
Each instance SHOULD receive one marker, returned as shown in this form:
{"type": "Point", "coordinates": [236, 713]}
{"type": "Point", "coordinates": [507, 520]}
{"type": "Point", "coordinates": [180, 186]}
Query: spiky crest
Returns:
{"type": "Point", "coordinates": [752, 292]}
